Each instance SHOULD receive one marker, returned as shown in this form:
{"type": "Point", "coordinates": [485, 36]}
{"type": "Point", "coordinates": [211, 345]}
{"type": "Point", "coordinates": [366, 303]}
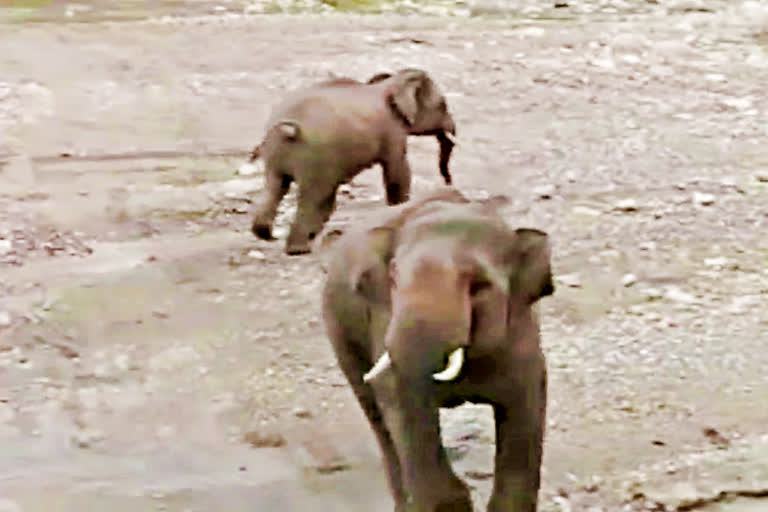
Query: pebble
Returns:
{"type": "Point", "coordinates": [264, 439]}
{"type": "Point", "coordinates": [247, 169]}
{"type": "Point", "coordinates": [628, 280]}
{"type": "Point", "coordinates": [715, 262]}
{"type": "Point", "coordinates": [571, 280]}
{"type": "Point", "coordinates": [762, 176]}
{"type": "Point", "coordinates": [738, 103]}
{"type": "Point", "coordinates": [685, 5]}
{"type": "Point", "coordinates": [5, 319]}
{"type": "Point", "coordinates": [563, 503]}
{"type": "Point", "coordinates": [257, 255]}
{"type": "Point", "coordinates": [703, 199]}
{"type": "Point", "coordinates": [585, 210]}
{"type": "Point", "coordinates": [653, 294]}
{"type": "Point", "coordinates": [301, 412]}
{"type": "Point", "coordinates": [677, 295]}
{"type": "Point", "coordinates": [87, 437]}
{"type": "Point", "coordinates": [6, 246]}
{"type": "Point", "coordinates": [544, 191]}
{"type": "Point", "coordinates": [626, 205]}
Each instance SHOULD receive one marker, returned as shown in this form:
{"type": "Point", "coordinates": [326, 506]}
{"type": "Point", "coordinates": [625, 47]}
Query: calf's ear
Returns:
{"type": "Point", "coordinates": [405, 97]}
{"type": "Point", "coordinates": [533, 277]}
{"type": "Point", "coordinates": [378, 77]}
{"type": "Point", "coordinates": [369, 272]}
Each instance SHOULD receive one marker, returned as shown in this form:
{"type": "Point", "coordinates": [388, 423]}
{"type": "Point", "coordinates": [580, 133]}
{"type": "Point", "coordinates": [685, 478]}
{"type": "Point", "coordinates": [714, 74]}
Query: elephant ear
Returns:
{"type": "Point", "coordinates": [323, 246]}
{"type": "Point", "coordinates": [369, 274]}
{"type": "Point", "coordinates": [533, 275]}
{"type": "Point", "coordinates": [379, 77]}
{"type": "Point", "coordinates": [406, 93]}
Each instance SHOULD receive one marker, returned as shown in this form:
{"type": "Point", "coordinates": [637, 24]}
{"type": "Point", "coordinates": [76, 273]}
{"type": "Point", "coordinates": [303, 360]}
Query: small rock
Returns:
{"type": "Point", "coordinates": [319, 454]}
{"type": "Point", "coordinates": [5, 319]}
{"type": "Point", "coordinates": [571, 280]}
{"type": "Point", "coordinates": [563, 503]}
{"type": "Point", "coordinates": [677, 295]}
{"type": "Point", "coordinates": [544, 191]}
{"type": "Point", "coordinates": [87, 437]}
{"type": "Point", "coordinates": [301, 412]}
{"type": "Point", "coordinates": [703, 199]}
{"type": "Point", "coordinates": [687, 6]}
{"type": "Point", "coordinates": [585, 210]}
{"type": "Point", "coordinates": [628, 280]}
{"type": "Point", "coordinates": [247, 169]}
{"type": "Point", "coordinates": [264, 439]}
{"type": "Point", "coordinates": [715, 262]}
{"type": "Point", "coordinates": [652, 294]}
{"type": "Point", "coordinates": [257, 255]}
{"type": "Point", "coordinates": [738, 103]}
{"type": "Point", "coordinates": [6, 246]}
{"type": "Point", "coordinates": [762, 176]}
{"type": "Point", "coordinates": [532, 32]}
{"type": "Point", "coordinates": [715, 437]}
{"type": "Point", "coordinates": [626, 205]}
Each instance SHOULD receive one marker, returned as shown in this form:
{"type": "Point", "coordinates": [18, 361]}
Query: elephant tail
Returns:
{"type": "Point", "coordinates": [288, 129]}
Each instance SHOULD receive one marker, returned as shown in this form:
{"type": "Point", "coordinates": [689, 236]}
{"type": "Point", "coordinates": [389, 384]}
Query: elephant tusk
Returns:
{"type": "Point", "coordinates": [455, 362]}
{"type": "Point", "coordinates": [451, 137]}
{"type": "Point", "coordinates": [383, 364]}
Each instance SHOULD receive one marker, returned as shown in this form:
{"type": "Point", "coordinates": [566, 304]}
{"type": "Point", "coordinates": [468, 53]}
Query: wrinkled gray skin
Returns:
{"type": "Point", "coordinates": [322, 136]}
{"type": "Point", "coordinates": [435, 275]}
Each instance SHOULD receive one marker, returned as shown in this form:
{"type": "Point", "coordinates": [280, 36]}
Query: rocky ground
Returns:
{"type": "Point", "coordinates": [155, 356]}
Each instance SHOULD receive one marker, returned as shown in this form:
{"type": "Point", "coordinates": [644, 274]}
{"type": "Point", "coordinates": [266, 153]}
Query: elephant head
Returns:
{"type": "Point", "coordinates": [417, 100]}
{"type": "Point", "coordinates": [455, 284]}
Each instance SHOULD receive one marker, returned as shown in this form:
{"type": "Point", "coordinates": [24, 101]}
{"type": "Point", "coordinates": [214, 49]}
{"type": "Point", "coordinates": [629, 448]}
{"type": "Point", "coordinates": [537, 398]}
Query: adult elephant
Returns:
{"type": "Point", "coordinates": [322, 136]}
{"type": "Point", "coordinates": [443, 279]}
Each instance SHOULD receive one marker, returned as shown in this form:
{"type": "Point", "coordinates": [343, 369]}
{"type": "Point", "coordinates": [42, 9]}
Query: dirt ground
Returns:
{"type": "Point", "coordinates": [155, 356]}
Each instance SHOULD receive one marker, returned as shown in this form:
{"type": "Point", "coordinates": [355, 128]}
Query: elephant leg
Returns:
{"type": "Point", "coordinates": [519, 439]}
{"type": "Point", "coordinates": [315, 206]}
{"type": "Point", "coordinates": [277, 185]}
{"type": "Point", "coordinates": [413, 421]}
{"type": "Point", "coordinates": [353, 365]}
{"type": "Point", "coordinates": [396, 174]}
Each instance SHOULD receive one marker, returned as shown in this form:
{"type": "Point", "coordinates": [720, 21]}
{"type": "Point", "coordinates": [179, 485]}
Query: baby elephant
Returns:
{"type": "Point", "coordinates": [322, 136]}
{"type": "Point", "coordinates": [433, 306]}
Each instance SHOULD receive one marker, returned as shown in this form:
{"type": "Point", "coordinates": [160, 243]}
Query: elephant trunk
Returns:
{"type": "Point", "coordinates": [427, 340]}
{"type": "Point", "coordinates": [447, 139]}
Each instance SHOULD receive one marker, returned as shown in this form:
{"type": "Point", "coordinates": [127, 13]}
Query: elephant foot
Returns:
{"type": "Point", "coordinates": [451, 496]}
{"type": "Point", "coordinates": [296, 250]}
{"type": "Point", "coordinates": [263, 231]}
{"type": "Point", "coordinates": [462, 504]}
{"type": "Point", "coordinates": [299, 243]}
